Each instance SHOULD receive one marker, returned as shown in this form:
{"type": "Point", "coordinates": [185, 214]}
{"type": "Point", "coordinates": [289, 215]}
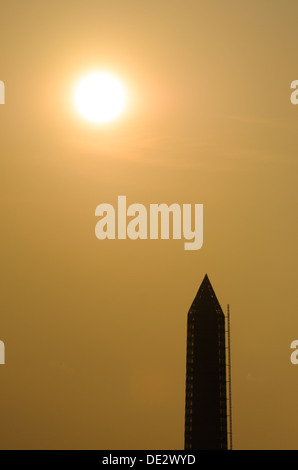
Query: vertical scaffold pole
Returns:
{"type": "Point", "coordinates": [230, 378]}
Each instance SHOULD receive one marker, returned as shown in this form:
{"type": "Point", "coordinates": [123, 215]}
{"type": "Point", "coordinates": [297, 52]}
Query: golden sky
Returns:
{"type": "Point", "coordinates": [95, 331]}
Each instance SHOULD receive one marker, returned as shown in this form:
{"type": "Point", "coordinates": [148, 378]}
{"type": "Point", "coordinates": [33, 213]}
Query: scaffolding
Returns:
{"type": "Point", "coordinates": [229, 382]}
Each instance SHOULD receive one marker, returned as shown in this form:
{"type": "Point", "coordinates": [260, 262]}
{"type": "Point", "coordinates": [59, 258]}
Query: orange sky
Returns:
{"type": "Point", "coordinates": [95, 331]}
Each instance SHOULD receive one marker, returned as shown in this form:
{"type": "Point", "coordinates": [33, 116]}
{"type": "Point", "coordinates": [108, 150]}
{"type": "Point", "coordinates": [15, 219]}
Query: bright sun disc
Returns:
{"type": "Point", "coordinates": [100, 97]}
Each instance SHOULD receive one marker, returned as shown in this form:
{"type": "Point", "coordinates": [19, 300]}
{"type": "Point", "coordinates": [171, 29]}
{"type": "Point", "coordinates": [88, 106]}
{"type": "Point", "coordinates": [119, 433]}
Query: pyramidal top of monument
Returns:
{"type": "Point", "coordinates": [206, 297]}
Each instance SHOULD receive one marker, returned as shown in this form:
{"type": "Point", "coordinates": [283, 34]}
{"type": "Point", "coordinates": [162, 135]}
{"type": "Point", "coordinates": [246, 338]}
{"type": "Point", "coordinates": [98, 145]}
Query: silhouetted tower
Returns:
{"type": "Point", "coordinates": [206, 390]}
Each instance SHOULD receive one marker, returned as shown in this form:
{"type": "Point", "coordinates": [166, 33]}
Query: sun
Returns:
{"type": "Point", "coordinates": [100, 97]}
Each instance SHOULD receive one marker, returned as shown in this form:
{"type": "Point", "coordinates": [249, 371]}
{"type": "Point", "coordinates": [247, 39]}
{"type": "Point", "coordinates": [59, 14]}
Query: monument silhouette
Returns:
{"type": "Point", "coordinates": [206, 417]}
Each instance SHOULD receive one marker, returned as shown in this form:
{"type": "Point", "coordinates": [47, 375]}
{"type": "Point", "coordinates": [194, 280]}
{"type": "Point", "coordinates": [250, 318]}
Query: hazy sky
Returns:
{"type": "Point", "coordinates": [95, 331]}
